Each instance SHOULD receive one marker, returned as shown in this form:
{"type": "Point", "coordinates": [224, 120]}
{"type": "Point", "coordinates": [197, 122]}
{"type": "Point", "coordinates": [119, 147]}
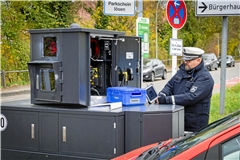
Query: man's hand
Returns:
{"type": "Point", "coordinates": [156, 101]}
{"type": "Point", "coordinates": [161, 100]}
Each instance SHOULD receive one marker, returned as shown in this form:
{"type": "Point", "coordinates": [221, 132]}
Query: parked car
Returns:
{"type": "Point", "coordinates": [218, 140]}
{"type": "Point", "coordinates": [153, 68]}
{"type": "Point", "coordinates": [230, 61]}
{"type": "Point", "coordinates": [210, 61]}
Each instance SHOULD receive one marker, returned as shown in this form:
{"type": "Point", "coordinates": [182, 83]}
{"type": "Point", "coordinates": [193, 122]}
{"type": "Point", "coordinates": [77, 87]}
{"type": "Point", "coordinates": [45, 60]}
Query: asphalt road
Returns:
{"type": "Point", "coordinates": [232, 77]}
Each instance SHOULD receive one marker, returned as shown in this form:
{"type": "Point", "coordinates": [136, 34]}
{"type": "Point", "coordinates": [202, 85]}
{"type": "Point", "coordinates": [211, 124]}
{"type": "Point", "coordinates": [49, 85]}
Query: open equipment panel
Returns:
{"type": "Point", "coordinates": [70, 65]}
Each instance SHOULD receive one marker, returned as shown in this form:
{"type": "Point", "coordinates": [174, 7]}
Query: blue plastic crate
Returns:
{"type": "Point", "coordinates": [127, 95]}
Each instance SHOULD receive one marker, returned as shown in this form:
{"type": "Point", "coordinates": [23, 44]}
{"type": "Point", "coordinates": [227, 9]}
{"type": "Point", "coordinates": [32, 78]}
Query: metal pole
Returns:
{"type": "Point", "coordinates": [218, 44]}
{"type": "Point", "coordinates": [140, 8]}
{"type": "Point", "coordinates": [174, 58]}
{"type": "Point", "coordinates": [140, 11]}
{"type": "Point", "coordinates": [223, 63]}
{"type": "Point", "coordinates": [156, 29]}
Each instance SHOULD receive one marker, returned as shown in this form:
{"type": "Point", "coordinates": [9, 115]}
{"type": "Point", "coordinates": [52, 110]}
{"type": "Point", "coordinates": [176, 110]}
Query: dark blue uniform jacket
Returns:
{"type": "Point", "coordinates": [193, 90]}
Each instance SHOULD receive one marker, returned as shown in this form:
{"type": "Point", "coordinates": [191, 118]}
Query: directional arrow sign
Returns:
{"type": "Point", "coordinates": [217, 7]}
{"type": "Point", "coordinates": [204, 7]}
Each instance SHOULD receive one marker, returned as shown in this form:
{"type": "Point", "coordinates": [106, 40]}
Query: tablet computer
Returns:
{"type": "Point", "coordinates": [151, 94]}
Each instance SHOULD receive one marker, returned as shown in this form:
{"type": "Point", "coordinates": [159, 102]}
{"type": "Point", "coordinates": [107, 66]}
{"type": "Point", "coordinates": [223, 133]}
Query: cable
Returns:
{"type": "Point", "coordinates": [111, 77]}
{"type": "Point", "coordinates": [92, 89]}
{"type": "Point", "coordinates": [93, 59]}
{"type": "Point", "coordinates": [120, 76]}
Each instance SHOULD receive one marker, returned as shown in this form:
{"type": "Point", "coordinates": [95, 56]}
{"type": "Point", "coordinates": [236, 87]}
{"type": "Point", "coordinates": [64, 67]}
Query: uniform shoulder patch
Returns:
{"type": "Point", "coordinates": [193, 89]}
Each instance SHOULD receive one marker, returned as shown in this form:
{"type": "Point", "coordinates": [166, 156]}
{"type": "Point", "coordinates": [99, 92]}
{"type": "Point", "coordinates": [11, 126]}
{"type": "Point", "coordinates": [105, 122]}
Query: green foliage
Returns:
{"type": "Point", "coordinates": [232, 103]}
{"type": "Point", "coordinates": [48, 14]}
{"type": "Point", "coordinates": [101, 20]}
{"type": "Point", "coordinates": [17, 17]}
{"type": "Point", "coordinates": [233, 35]}
{"type": "Point", "coordinates": [15, 43]}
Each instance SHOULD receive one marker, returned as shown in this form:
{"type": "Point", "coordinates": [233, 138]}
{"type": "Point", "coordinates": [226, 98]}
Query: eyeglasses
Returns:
{"type": "Point", "coordinates": [188, 61]}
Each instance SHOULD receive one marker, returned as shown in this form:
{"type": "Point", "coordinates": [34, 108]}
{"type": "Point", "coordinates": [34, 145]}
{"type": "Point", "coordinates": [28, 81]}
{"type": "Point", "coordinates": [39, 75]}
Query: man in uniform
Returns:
{"type": "Point", "coordinates": [190, 87]}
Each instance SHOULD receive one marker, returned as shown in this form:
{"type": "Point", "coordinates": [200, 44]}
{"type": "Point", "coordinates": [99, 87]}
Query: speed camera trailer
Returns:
{"type": "Point", "coordinates": [71, 65]}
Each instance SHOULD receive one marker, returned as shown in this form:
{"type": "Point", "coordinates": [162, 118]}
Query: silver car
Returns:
{"type": "Point", "coordinates": [210, 61]}
{"type": "Point", "coordinates": [153, 68]}
{"type": "Point", "coordinates": [230, 62]}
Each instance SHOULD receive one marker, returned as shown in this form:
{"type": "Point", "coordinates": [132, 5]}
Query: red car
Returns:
{"type": "Point", "coordinates": [219, 140]}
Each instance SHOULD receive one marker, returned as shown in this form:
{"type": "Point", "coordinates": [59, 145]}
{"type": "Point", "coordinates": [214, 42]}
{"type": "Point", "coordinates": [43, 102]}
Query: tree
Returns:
{"type": "Point", "coordinates": [17, 17]}
{"type": "Point", "coordinates": [83, 11]}
{"type": "Point", "coordinates": [233, 35]}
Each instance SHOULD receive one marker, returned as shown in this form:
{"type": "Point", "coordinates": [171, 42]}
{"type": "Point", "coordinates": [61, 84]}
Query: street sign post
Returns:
{"type": "Point", "coordinates": [119, 7]}
{"type": "Point", "coordinates": [176, 13]}
{"type": "Point", "coordinates": [177, 16]}
{"type": "Point", "coordinates": [217, 8]}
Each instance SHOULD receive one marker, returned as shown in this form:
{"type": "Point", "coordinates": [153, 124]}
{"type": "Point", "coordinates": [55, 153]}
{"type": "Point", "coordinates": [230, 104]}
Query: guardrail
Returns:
{"type": "Point", "coordinates": [16, 76]}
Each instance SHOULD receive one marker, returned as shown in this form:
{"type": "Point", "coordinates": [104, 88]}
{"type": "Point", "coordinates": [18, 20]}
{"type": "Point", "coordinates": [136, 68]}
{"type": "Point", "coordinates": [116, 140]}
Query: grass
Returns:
{"type": "Point", "coordinates": [232, 103]}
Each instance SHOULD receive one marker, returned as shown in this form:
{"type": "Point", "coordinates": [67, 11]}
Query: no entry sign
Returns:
{"type": "Point", "coordinates": [176, 13]}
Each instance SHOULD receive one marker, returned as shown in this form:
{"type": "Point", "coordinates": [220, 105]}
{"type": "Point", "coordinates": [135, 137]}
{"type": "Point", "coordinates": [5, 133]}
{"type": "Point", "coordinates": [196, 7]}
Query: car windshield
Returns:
{"type": "Point", "coordinates": [206, 57]}
{"type": "Point", "coordinates": [147, 62]}
{"type": "Point", "coordinates": [202, 135]}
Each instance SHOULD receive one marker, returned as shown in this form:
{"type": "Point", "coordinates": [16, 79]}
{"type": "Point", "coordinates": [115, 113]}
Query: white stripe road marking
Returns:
{"type": "Point", "coordinates": [227, 81]}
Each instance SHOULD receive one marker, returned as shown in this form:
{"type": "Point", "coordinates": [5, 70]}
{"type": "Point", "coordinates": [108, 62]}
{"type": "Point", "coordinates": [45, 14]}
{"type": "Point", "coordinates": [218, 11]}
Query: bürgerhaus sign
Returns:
{"type": "Point", "coordinates": [217, 8]}
{"type": "Point", "coordinates": [119, 7]}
